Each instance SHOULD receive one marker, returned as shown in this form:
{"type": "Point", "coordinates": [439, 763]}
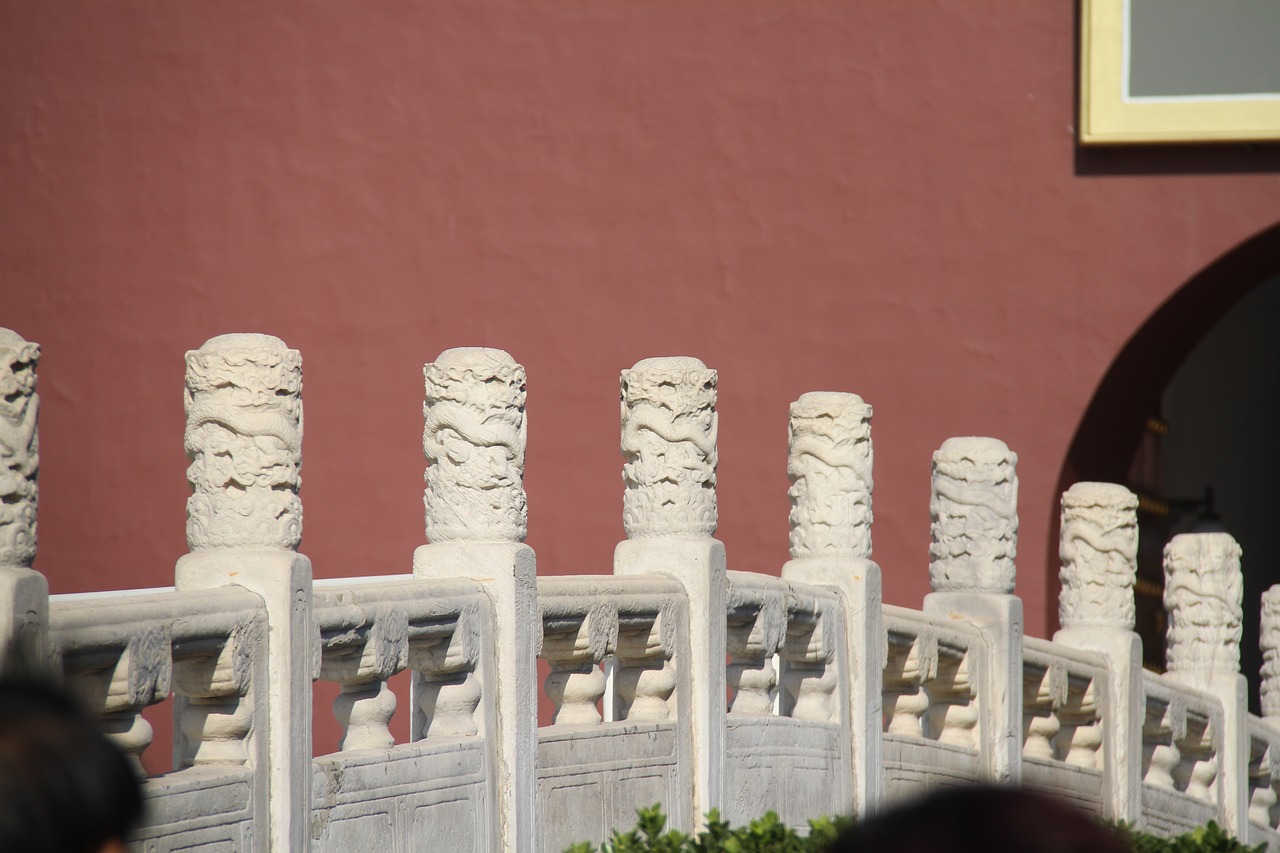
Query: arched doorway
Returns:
{"type": "Point", "coordinates": [1188, 405]}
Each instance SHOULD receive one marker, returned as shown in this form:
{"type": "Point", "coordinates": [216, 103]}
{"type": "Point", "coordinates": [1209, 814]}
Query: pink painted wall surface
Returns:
{"type": "Point", "coordinates": [885, 198]}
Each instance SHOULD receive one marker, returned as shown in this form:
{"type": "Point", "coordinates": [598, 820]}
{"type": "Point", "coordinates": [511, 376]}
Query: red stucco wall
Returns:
{"type": "Point", "coordinates": [878, 197]}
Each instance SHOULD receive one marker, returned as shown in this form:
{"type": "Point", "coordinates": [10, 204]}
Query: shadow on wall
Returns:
{"type": "Point", "coordinates": [1180, 409]}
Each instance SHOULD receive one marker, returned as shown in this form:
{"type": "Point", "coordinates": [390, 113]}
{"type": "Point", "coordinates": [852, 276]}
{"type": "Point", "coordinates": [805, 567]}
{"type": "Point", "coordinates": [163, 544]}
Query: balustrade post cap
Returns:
{"type": "Point", "coordinates": [1086, 494]}
{"type": "Point", "coordinates": [243, 340]}
{"type": "Point", "coordinates": [9, 339]}
{"type": "Point", "coordinates": [1269, 638]}
{"type": "Point", "coordinates": [1188, 541]}
{"type": "Point", "coordinates": [816, 403]}
{"type": "Point", "coordinates": [669, 363]}
{"type": "Point", "coordinates": [977, 449]}
{"type": "Point", "coordinates": [474, 358]}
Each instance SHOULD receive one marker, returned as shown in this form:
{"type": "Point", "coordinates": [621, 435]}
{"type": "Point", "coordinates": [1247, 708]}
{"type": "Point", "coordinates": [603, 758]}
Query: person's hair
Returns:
{"type": "Point", "coordinates": [64, 787]}
{"type": "Point", "coordinates": [974, 819]}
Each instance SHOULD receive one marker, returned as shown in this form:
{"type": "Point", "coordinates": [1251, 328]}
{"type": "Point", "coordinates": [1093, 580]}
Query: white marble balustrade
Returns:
{"type": "Point", "coordinates": [671, 679]}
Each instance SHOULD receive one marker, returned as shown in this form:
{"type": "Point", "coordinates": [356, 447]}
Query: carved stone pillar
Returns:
{"type": "Point", "coordinates": [1098, 545]}
{"type": "Point", "coordinates": [1269, 641]}
{"type": "Point", "coordinates": [19, 449]}
{"type": "Point", "coordinates": [974, 534]}
{"type": "Point", "coordinates": [1203, 590]}
{"type": "Point", "coordinates": [244, 523]}
{"type": "Point", "coordinates": [669, 427]}
{"type": "Point", "coordinates": [829, 464]}
{"type": "Point", "coordinates": [24, 593]}
{"type": "Point", "coordinates": [668, 442]}
{"type": "Point", "coordinates": [476, 518]}
{"type": "Point", "coordinates": [974, 509]}
{"type": "Point", "coordinates": [244, 437]}
{"type": "Point", "coordinates": [1203, 594]}
{"type": "Point", "coordinates": [1099, 550]}
{"type": "Point", "coordinates": [474, 439]}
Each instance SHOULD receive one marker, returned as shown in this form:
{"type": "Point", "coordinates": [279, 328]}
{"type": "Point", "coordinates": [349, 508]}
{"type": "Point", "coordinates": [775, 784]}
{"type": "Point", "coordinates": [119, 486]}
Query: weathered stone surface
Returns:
{"type": "Point", "coordinates": [669, 427]}
{"type": "Point", "coordinates": [244, 439]}
{"type": "Point", "coordinates": [1203, 593]}
{"type": "Point", "coordinates": [974, 509]}
{"type": "Point", "coordinates": [829, 464]}
{"type": "Point", "coordinates": [1269, 641]}
{"type": "Point", "coordinates": [19, 449]}
{"type": "Point", "coordinates": [474, 439]}
{"type": "Point", "coordinates": [1099, 551]}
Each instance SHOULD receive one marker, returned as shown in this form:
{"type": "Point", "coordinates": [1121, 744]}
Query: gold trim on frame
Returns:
{"type": "Point", "coordinates": [1107, 117]}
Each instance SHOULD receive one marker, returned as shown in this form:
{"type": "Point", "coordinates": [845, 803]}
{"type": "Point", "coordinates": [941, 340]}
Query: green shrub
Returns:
{"type": "Point", "coordinates": [765, 835]}
{"type": "Point", "coordinates": [770, 835]}
{"type": "Point", "coordinates": [1209, 838]}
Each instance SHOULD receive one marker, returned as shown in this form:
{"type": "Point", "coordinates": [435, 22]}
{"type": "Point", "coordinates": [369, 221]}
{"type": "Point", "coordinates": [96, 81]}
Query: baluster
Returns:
{"type": "Point", "coordinates": [366, 704]}
{"type": "Point", "coordinates": [576, 683]}
{"type": "Point", "coordinates": [138, 675]}
{"type": "Point", "coordinates": [953, 710]}
{"type": "Point", "coordinates": [214, 677]}
{"type": "Point", "coordinates": [1160, 755]}
{"type": "Point", "coordinates": [576, 686]}
{"type": "Point", "coordinates": [645, 678]}
{"type": "Point", "coordinates": [448, 700]}
{"type": "Point", "coordinates": [754, 638]}
{"type": "Point", "coordinates": [1081, 736]}
{"type": "Point", "coordinates": [905, 700]}
{"type": "Point", "coordinates": [447, 685]}
{"type": "Point", "coordinates": [1040, 723]}
{"type": "Point", "coordinates": [1262, 792]}
{"type": "Point", "coordinates": [808, 676]}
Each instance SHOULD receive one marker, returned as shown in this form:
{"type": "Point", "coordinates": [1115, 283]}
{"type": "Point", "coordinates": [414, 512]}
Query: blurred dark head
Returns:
{"type": "Point", "coordinates": [961, 820]}
{"type": "Point", "coordinates": [64, 788]}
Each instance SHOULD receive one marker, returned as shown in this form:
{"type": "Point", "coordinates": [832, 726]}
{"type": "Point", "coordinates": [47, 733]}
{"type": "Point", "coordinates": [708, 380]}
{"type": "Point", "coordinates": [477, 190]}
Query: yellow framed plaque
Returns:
{"type": "Point", "coordinates": [1164, 71]}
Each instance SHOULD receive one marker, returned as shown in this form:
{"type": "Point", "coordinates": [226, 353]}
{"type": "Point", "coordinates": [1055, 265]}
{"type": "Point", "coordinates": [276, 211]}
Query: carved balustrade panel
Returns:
{"type": "Point", "coordinates": [611, 645]}
{"type": "Point", "coordinates": [122, 653]}
{"type": "Point", "coordinates": [1264, 773]}
{"type": "Point", "coordinates": [1063, 701]}
{"type": "Point", "coordinates": [931, 679]}
{"type": "Point", "coordinates": [1181, 739]}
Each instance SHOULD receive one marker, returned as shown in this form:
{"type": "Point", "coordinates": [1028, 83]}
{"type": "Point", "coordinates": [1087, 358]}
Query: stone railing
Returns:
{"type": "Point", "coordinates": [670, 680]}
{"type": "Point", "coordinates": [618, 682]}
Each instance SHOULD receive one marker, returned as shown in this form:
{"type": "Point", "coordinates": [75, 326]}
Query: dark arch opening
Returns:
{"type": "Point", "coordinates": [1115, 435]}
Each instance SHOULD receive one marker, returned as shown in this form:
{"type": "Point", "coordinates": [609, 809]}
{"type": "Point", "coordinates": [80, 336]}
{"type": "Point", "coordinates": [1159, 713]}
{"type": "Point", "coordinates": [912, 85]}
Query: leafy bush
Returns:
{"type": "Point", "coordinates": [1209, 838]}
{"type": "Point", "coordinates": [770, 835]}
{"type": "Point", "coordinates": [765, 835]}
